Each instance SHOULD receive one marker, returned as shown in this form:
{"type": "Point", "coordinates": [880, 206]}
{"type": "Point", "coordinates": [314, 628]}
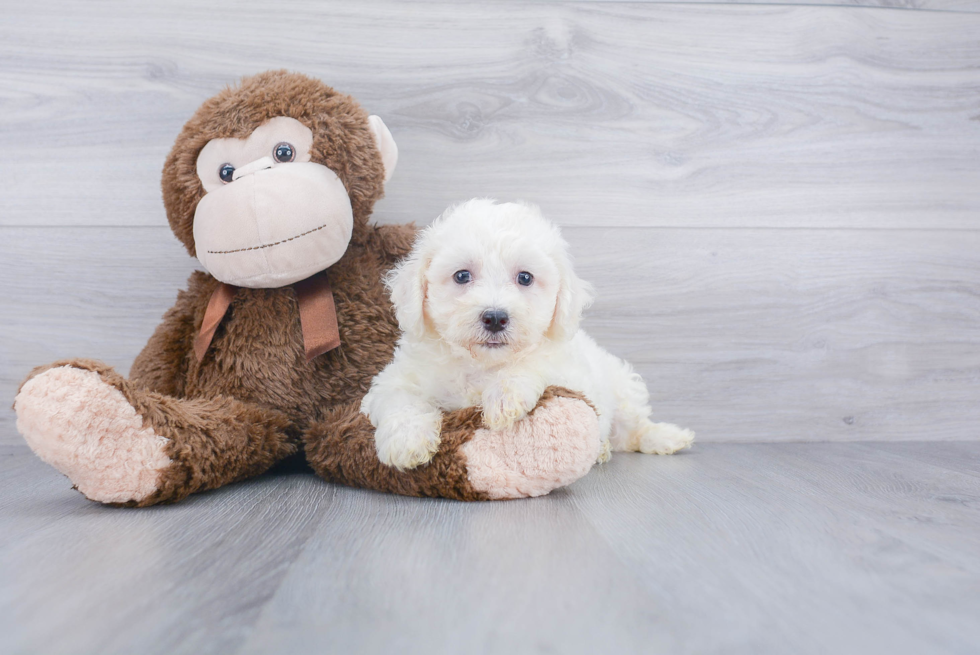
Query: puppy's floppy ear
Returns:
{"type": "Point", "coordinates": [407, 287]}
{"type": "Point", "coordinates": [574, 295]}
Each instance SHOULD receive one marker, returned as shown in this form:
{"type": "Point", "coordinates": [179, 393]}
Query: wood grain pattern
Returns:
{"type": "Point", "coordinates": [389, 574]}
{"type": "Point", "coordinates": [727, 548]}
{"type": "Point", "coordinates": [755, 139]}
{"type": "Point", "coordinates": [84, 578]}
{"type": "Point", "coordinates": [849, 532]}
{"type": "Point", "coordinates": [779, 208]}
{"type": "Point", "coordinates": [955, 456]}
{"type": "Point", "coordinates": [743, 335]}
{"type": "Point", "coordinates": [605, 113]}
{"type": "Point", "coordinates": [967, 6]}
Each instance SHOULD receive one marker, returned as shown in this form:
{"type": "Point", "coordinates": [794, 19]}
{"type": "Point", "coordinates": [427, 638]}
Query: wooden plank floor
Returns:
{"type": "Point", "coordinates": [727, 548]}
{"type": "Point", "coordinates": [742, 335]}
{"type": "Point", "coordinates": [610, 113]}
{"type": "Point", "coordinates": [778, 203]}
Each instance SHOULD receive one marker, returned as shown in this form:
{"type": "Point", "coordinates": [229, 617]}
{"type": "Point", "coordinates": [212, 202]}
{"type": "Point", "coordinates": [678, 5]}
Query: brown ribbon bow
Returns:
{"type": "Point", "coordinates": [317, 316]}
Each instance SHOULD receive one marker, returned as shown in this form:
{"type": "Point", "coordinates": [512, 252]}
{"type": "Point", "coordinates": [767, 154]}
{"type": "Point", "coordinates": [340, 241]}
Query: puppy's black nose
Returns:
{"type": "Point", "coordinates": [495, 320]}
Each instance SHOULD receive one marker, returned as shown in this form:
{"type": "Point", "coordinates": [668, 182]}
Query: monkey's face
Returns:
{"type": "Point", "coordinates": [270, 217]}
{"type": "Point", "coordinates": [270, 181]}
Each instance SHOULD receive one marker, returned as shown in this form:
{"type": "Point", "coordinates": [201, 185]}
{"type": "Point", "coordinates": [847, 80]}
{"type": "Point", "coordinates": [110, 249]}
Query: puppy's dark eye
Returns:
{"type": "Point", "coordinates": [284, 153]}
{"type": "Point", "coordinates": [524, 279]}
{"type": "Point", "coordinates": [226, 172]}
{"type": "Point", "coordinates": [462, 277]}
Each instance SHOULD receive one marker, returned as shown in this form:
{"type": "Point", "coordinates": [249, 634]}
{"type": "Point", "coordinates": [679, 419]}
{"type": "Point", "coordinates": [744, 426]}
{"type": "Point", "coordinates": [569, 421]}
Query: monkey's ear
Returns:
{"type": "Point", "coordinates": [385, 143]}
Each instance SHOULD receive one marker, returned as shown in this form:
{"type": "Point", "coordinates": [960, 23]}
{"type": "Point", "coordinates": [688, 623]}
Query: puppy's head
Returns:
{"type": "Point", "coordinates": [492, 279]}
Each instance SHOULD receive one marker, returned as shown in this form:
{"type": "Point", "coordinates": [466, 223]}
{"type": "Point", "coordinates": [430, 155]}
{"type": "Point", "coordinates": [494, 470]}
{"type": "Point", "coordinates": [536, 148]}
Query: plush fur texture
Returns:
{"type": "Point", "coordinates": [490, 306]}
{"type": "Point", "coordinates": [556, 446]}
{"type": "Point", "coordinates": [342, 141]}
{"type": "Point", "coordinates": [254, 399]}
{"type": "Point", "coordinates": [511, 463]}
{"type": "Point", "coordinates": [125, 464]}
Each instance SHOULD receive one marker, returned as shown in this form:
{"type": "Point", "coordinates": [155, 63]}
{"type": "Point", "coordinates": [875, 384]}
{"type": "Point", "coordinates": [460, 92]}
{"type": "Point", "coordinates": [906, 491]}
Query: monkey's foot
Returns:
{"type": "Point", "coordinates": [555, 445]}
{"type": "Point", "coordinates": [85, 428]}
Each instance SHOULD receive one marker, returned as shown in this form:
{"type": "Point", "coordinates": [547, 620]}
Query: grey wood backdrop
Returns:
{"type": "Point", "coordinates": [778, 204]}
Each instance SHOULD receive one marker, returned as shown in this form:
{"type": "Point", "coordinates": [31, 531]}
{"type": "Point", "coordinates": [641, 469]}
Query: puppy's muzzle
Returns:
{"type": "Point", "coordinates": [495, 320]}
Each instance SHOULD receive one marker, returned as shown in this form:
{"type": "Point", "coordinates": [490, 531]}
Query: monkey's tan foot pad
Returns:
{"type": "Point", "coordinates": [87, 429]}
{"type": "Point", "coordinates": [552, 447]}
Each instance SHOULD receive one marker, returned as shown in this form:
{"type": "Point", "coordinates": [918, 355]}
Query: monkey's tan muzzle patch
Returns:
{"type": "Point", "coordinates": [274, 225]}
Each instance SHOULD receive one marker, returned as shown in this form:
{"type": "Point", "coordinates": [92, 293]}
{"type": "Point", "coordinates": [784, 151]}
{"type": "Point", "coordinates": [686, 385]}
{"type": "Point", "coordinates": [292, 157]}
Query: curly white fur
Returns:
{"type": "Point", "coordinates": [448, 357]}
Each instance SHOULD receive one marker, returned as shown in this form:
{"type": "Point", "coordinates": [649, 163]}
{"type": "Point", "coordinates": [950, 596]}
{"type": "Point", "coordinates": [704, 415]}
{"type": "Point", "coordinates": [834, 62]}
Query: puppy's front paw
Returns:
{"type": "Point", "coordinates": [662, 438]}
{"type": "Point", "coordinates": [409, 439]}
{"type": "Point", "coordinates": [507, 403]}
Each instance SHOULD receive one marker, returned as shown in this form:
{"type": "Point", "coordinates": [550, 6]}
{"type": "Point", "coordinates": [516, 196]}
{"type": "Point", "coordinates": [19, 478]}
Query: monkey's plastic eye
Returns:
{"type": "Point", "coordinates": [226, 172]}
{"type": "Point", "coordinates": [284, 153]}
{"type": "Point", "coordinates": [524, 279]}
{"type": "Point", "coordinates": [462, 277]}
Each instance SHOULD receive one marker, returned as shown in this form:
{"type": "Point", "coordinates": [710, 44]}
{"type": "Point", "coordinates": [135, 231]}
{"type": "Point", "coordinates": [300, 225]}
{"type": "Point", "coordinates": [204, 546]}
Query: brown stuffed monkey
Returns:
{"type": "Point", "coordinates": [271, 185]}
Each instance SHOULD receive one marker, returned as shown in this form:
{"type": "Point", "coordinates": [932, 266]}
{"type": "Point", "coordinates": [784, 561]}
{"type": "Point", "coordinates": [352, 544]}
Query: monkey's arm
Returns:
{"type": "Point", "coordinates": [162, 364]}
{"type": "Point", "coordinates": [393, 241]}
{"type": "Point", "coordinates": [556, 444]}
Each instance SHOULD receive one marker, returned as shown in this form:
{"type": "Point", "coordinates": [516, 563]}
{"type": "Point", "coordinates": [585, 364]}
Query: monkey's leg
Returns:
{"type": "Point", "coordinates": [556, 444]}
{"type": "Point", "coordinates": [120, 444]}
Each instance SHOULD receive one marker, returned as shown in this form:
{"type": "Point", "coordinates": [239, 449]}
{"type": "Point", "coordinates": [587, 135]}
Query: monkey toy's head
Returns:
{"type": "Point", "coordinates": [269, 181]}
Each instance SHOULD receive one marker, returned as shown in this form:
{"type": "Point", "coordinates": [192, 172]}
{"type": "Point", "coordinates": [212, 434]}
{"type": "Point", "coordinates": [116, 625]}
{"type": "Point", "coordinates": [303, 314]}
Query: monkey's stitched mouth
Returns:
{"type": "Point", "coordinates": [268, 245]}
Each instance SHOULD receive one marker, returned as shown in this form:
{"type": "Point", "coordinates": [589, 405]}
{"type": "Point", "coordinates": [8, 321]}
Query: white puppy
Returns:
{"type": "Point", "coordinates": [489, 307]}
